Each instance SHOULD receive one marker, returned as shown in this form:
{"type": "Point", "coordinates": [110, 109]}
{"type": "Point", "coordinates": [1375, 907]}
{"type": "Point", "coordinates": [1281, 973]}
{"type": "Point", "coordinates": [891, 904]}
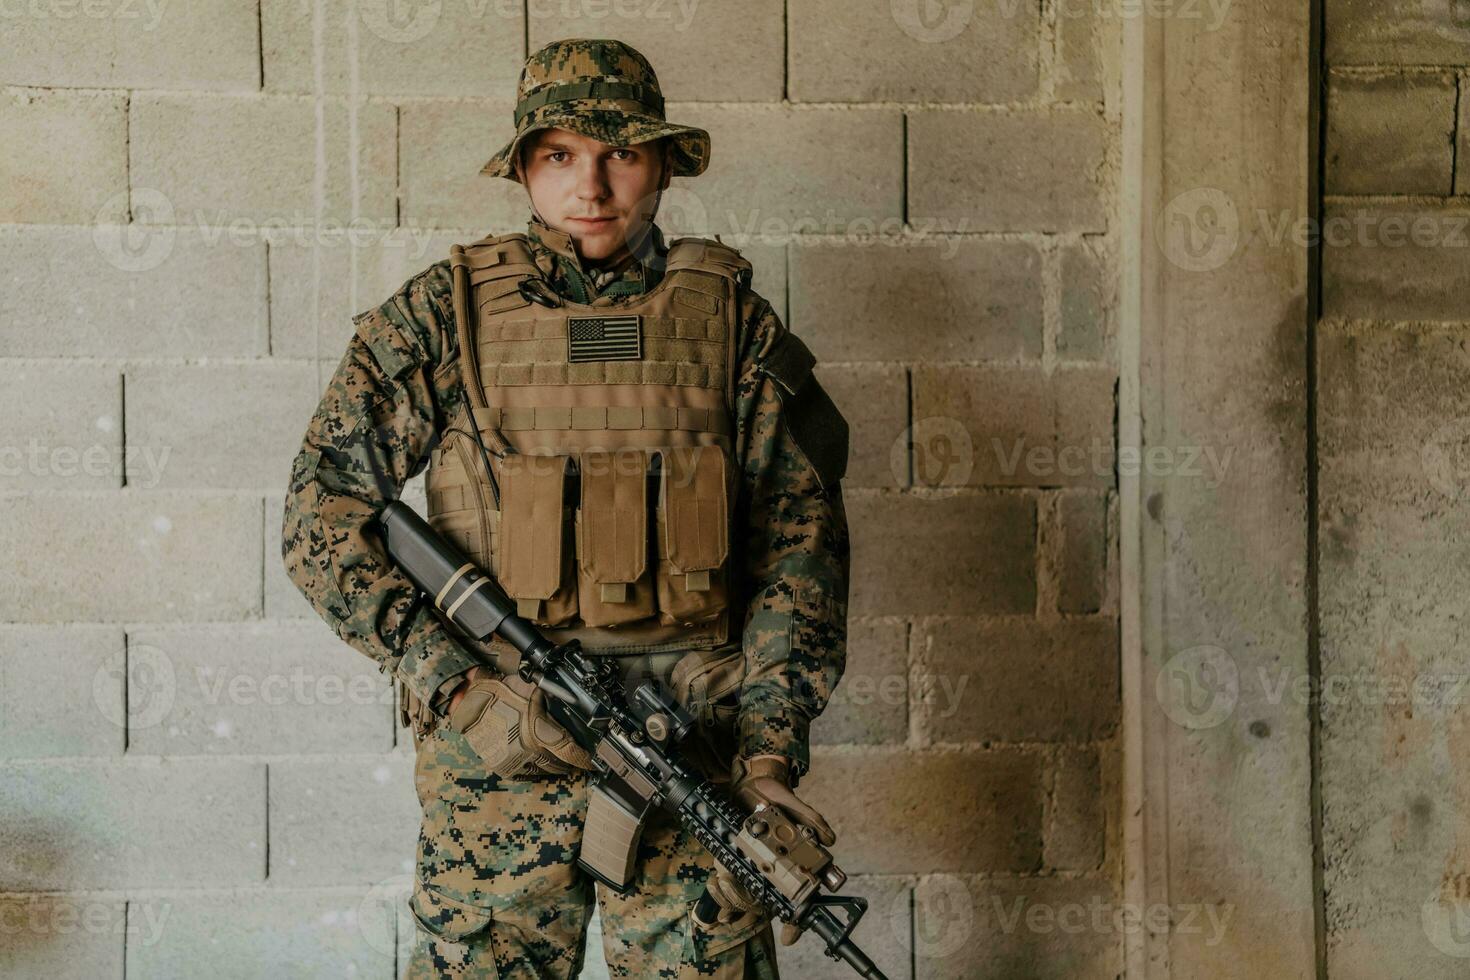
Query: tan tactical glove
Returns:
{"type": "Point", "coordinates": [504, 719]}
{"type": "Point", "coordinates": [764, 779]}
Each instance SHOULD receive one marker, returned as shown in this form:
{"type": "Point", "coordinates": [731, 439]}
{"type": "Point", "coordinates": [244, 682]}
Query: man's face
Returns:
{"type": "Point", "coordinates": [572, 178]}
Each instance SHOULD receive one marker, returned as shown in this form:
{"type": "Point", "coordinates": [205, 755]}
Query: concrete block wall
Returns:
{"type": "Point", "coordinates": [203, 194]}
{"type": "Point", "coordinates": [1393, 426]}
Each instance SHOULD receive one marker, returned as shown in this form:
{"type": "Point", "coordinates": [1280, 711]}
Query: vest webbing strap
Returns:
{"type": "Point", "coordinates": [567, 417]}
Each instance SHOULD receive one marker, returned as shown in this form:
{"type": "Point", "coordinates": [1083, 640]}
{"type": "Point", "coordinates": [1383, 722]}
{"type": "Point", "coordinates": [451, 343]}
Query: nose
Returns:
{"type": "Point", "coordinates": [591, 181]}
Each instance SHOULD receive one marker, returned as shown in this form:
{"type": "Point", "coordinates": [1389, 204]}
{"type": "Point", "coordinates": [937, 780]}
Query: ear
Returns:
{"type": "Point", "coordinates": [668, 168]}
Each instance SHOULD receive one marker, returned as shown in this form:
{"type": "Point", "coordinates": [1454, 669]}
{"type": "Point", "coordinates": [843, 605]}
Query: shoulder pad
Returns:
{"type": "Point", "coordinates": [709, 255]}
{"type": "Point", "coordinates": [495, 257]}
{"type": "Point", "coordinates": [812, 418]}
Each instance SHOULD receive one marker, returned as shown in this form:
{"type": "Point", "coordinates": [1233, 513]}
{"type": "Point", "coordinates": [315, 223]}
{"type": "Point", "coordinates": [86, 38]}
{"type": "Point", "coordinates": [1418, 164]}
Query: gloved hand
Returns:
{"type": "Point", "coordinates": [764, 779]}
{"type": "Point", "coordinates": [466, 678]}
{"type": "Point", "coordinates": [504, 719]}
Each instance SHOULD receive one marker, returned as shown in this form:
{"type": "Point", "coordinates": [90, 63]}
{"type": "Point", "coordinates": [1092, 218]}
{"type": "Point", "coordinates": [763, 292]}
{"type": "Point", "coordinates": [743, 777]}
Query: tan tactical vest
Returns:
{"type": "Point", "coordinates": [608, 431]}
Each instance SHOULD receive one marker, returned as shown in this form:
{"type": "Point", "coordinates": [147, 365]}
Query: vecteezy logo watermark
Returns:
{"type": "Point", "coordinates": [152, 10]}
{"type": "Point", "coordinates": [1199, 230]}
{"type": "Point", "coordinates": [679, 14]}
{"type": "Point", "coordinates": [144, 244]}
{"type": "Point", "coordinates": [147, 680]}
{"type": "Point", "coordinates": [1445, 457]}
{"type": "Point", "coordinates": [932, 21]}
{"type": "Point", "coordinates": [383, 915]}
{"type": "Point", "coordinates": [1102, 917]}
{"type": "Point", "coordinates": [861, 231]}
{"type": "Point", "coordinates": [1199, 687]}
{"type": "Point", "coordinates": [149, 240]}
{"type": "Point", "coordinates": [406, 21]}
{"type": "Point", "coordinates": [57, 918]}
{"type": "Point", "coordinates": [943, 917]}
{"type": "Point", "coordinates": [1213, 12]}
{"type": "Point", "coordinates": [1367, 686]}
{"type": "Point", "coordinates": [219, 686]}
{"type": "Point", "coordinates": [401, 21]}
{"type": "Point", "coordinates": [1096, 459]}
{"type": "Point", "coordinates": [143, 465]}
{"type": "Point", "coordinates": [939, 450]}
{"type": "Point", "coordinates": [1445, 919]}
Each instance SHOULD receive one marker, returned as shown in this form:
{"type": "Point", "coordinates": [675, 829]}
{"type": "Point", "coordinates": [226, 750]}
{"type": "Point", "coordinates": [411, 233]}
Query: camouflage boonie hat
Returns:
{"type": "Point", "coordinates": [601, 89]}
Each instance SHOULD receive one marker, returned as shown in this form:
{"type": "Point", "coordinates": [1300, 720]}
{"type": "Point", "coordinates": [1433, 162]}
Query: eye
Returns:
{"type": "Point", "coordinates": [556, 153]}
{"type": "Point", "coordinates": [630, 154]}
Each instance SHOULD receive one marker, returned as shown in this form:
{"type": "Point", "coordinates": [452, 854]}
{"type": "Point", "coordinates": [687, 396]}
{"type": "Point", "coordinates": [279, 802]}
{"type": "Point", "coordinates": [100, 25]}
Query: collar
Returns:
{"type": "Point", "coordinates": [556, 256]}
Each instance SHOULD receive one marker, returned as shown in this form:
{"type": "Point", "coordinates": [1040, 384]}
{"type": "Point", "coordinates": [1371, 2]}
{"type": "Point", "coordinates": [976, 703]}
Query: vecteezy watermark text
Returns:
{"type": "Point", "coordinates": [149, 11]}
{"type": "Point", "coordinates": [143, 465]}
{"type": "Point", "coordinates": [1097, 458]}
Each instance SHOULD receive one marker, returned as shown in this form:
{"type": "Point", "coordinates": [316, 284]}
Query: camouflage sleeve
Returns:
{"type": "Point", "coordinates": [792, 444]}
{"type": "Point", "coordinates": [378, 418]}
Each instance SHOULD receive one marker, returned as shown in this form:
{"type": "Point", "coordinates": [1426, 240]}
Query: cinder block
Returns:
{"type": "Point", "coordinates": [61, 691]}
{"type": "Point", "coordinates": [66, 160]}
{"type": "Point", "coordinates": [1390, 133]}
{"type": "Point", "coordinates": [1392, 433]}
{"type": "Point", "coordinates": [132, 824]}
{"type": "Point", "coordinates": [317, 287]}
{"type": "Point", "coordinates": [282, 599]}
{"type": "Point", "coordinates": [1024, 427]}
{"type": "Point", "coordinates": [874, 399]}
{"type": "Point", "coordinates": [1075, 824]}
{"type": "Point", "coordinates": [1040, 928]}
{"type": "Point", "coordinates": [870, 704]}
{"type": "Point", "coordinates": [309, 799]}
{"type": "Point", "coordinates": [456, 49]}
{"type": "Point", "coordinates": [1396, 32]}
{"type": "Point", "coordinates": [1082, 564]}
{"type": "Point", "coordinates": [261, 689]}
{"type": "Point", "coordinates": [62, 936]}
{"type": "Point", "coordinates": [49, 443]}
{"type": "Point", "coordinates": [1082, 32]}
{"type": "Point", "coordinates": [131, 291]}
{"type": "Point", "coordinates": [238, 165]}
{"type": "Point", "coordinates": [1088, 299]}
{"type": "Point", "coordinates": [885, 805]}
{"type": "Point", "coordinates": [955, 554]}
{"type": "Point", "coordinates": [798, 171]}
{"type": "Point", "coordinates": [884, 934]}
{"type": "Point", "coordinates": [1009, 171]}
{"type": "Point", "coordinates": [1395, 263]}
{"type": "Point", "coordinates": [202, 44]}
{"type": "Point", "coordinates": [221, 426]}
{"type": "Point", "coordinates": [130, 557]}
{"type": "Point", "coordinates": [275, 932]}
{"type": "Point", "coordinates": [705, 52]}
{"type": "Point", "coordinates": [862, 52]}
{"type": "Point", "coordinates": [934, 299]}
{"type": "Point", "coordinates": [1015, 680]}
{"type": "Point", "coordinates": [442, 146]}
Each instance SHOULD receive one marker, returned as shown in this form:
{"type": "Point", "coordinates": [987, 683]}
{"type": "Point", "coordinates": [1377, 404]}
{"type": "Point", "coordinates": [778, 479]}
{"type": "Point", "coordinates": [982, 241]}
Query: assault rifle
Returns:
{"type": "Point", "coordinates": [634, 745]}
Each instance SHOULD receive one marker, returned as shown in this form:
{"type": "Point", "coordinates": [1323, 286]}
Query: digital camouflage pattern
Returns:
{"type": "Point", "coordinates": [558, 261]}
{"type": "Point", "coordinates": [499, 893]}
{"type": "Point", "coordinates": [616, 121]}
{"type": "Point", "coordinates": [395, 389]}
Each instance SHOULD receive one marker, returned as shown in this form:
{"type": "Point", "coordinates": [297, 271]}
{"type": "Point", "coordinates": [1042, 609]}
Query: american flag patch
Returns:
{"type": "Point", "coordinates": [604, 338]}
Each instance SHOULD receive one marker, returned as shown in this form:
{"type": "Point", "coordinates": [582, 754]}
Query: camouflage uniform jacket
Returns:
{"type": "Point", "coordinates": [397, 386]}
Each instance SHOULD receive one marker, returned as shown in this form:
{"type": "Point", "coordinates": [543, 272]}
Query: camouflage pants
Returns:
{"type": "Point", "coordinates": [498, 893]}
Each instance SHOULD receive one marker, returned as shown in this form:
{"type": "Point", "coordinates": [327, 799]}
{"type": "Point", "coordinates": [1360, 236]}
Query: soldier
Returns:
{"type": "Point", "coordinates": [624, 433]}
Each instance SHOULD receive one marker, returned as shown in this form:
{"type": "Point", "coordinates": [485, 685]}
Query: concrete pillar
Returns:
{"type": "Point", "coordinates": [1213, 491]}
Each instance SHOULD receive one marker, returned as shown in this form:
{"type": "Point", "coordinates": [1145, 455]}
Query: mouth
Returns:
{"type": "Point", "coordinates": [592, 222]}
